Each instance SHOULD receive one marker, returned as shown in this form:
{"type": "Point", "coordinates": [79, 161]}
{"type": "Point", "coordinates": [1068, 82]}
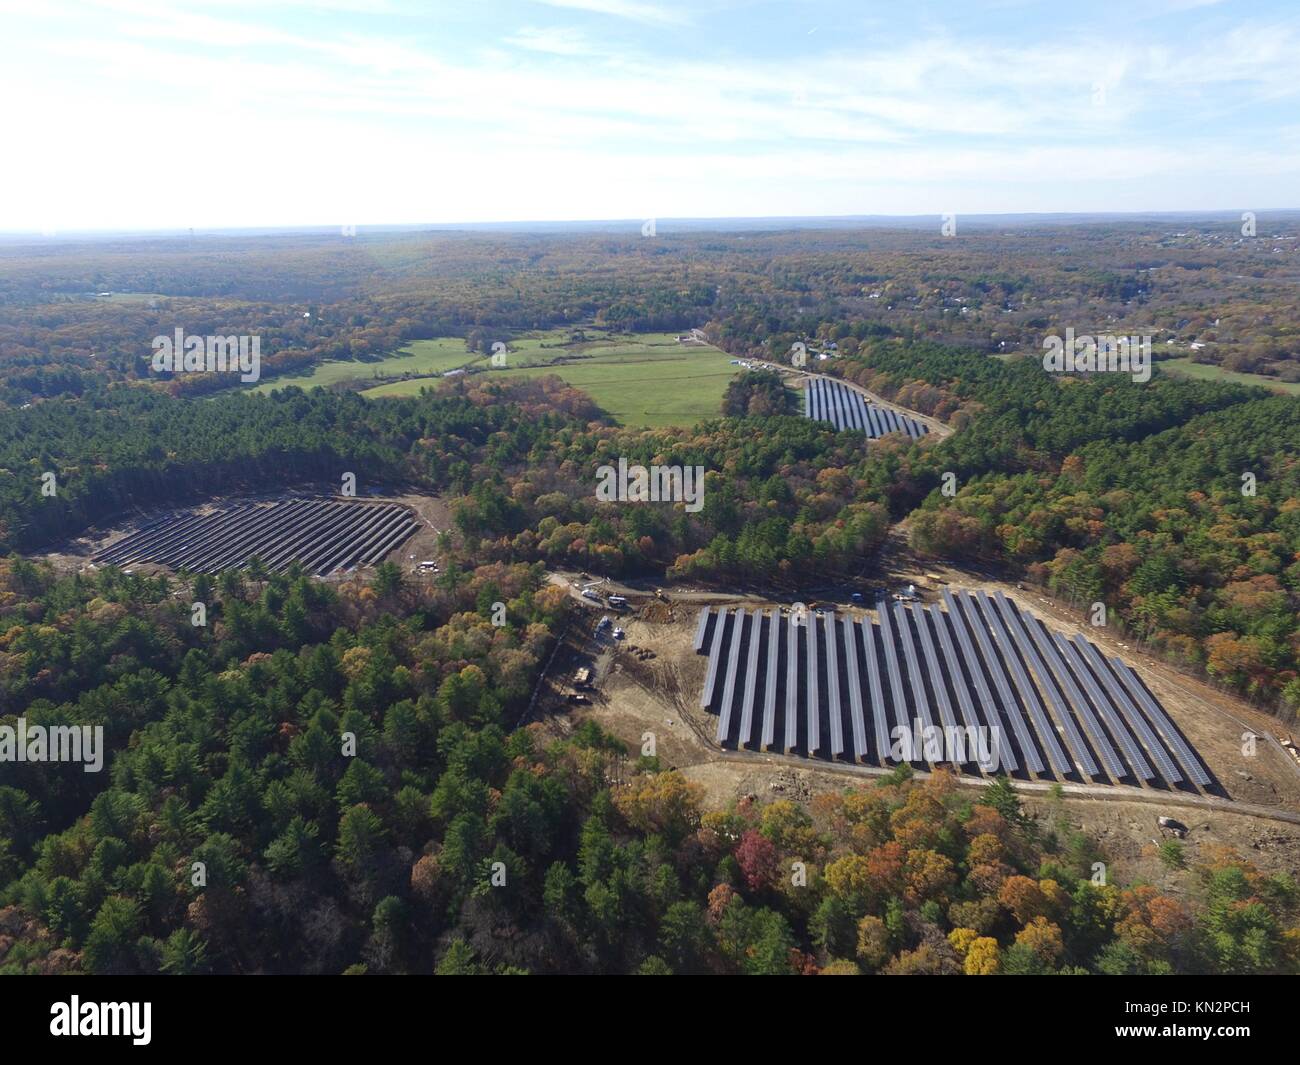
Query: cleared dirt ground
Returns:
{"type": "Point", "coordinates": [638, 695]}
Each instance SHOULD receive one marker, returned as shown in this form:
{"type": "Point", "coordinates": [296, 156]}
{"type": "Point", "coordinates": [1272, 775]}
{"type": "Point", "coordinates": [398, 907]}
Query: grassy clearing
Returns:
{"type": "Point", "coordinates": [419, 357]}
{"type": "Point", "coordinates": [133, 297]}
{"type": "Point", "coordinates": [647, 379]}
{"type": "Point", "coordinates": [1206, 372]}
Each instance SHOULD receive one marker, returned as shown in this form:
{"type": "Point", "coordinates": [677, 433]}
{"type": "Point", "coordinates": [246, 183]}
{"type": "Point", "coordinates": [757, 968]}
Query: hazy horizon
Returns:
{"type": "Point", "coordinates": [692, 224]}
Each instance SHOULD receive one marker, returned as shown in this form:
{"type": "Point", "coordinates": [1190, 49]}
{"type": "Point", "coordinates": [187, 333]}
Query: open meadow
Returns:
{"type": "Point", "coordinates": [645, 379]}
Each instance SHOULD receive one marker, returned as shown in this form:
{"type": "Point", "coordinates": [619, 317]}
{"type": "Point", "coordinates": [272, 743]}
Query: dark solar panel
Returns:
{"type": "Point", "coordinates": [833, 684]}
{"type": "Point", "coordinates": [1001, 752]}
{"type": "Point", "coordinates": [1110, 713]}
{"type": "Point", "coordinates": [854, 677]}
{"type": "Point", "coordinates": [920, 700]}
{"type": "Point", "coordinates": [1010, 713]}
{"type": "Point", "coordinates": [935, 666]}
{"type": "Point", "coordinates": [873, 417]}
{"type": "Point", "coordinates": [813, 704]}
{"type": "Point", "coordinates": [751, 680]}
{"type": "Point", "coordinates": [897, 694]}
{"type": "Point", "coordinates": [1091, 661]}
{"type": "Point", "coordinates": [879, 715]}
{"type": "Point", "coordinates": [792, 684]}
{"type": "Point", "coordinates": [701, 629]}
{"type": "Point", "coordinates": [773, 660]}
{"type": "Point", "coordinates": [1041, 657]}
{"type": "Point", "coordinates": [729, 689]}
{"type": "Point", "coordinates": [715, 656]}
{"type": "Point", "coordinates": [920, 619]}
{"type": "Point", "coordinates": [1029, 696]}
{"type": "Point", "coordinates": [1190, 763]}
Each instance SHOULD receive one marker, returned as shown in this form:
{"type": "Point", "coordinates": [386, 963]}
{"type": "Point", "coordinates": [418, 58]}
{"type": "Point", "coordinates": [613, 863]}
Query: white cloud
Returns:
{"type": "Point", "coordinates": [184, 116]}
{"type": "Point", "coordinates": [555, 40]}
{"type": "Point", "coordinates": [655, 14]}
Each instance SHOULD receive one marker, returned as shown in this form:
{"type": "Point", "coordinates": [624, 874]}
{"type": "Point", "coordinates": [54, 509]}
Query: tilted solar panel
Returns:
{"type": "Point", "coordinates": [791, 685]}
{"type": "Point", "coordinates": [1092, 660]}
{"type": "Point", "coordinates": [751, 680]}
{"type": "Point", "coordinates": [898, 695]}
{"type": "Point", "coordinates": [920, 700]}
{"type": "Point", "coordinates": [813, 734]}
{"type": "Point", "coordinates": [1009, 710]}
{"type": "Point", "coordinates": [715, 656]}
{"type": "Point", "coordinates": [854, 678]}
{"type": "Point", "coordinates": [920, 620]}
{"type": "Point", "coordinates": [773, 664]}
{"type": "Point", "coordinates": [1001, 749]}
{"type": "Point", "coordinates": [1056, 755]}
{"type": "Point", "coordinates": [1067, 704]}
{"type": "Point", "coordinates": [1186, 757]}
{"type": "Point", "coordinates": [873, 418]}
{"type": "Point", "coordinates": [879, 715]}
{"type": "Point", "coordinates": [729, 689]}
{"type": "Point", "coordinates": [833, 684]}
{"type": "Point", "coordinates": [1111, 714]}
{"type": "Point", "coordinates": [702, 628]}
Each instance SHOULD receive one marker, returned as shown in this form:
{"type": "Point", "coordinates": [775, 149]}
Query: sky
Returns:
{"type": "Point", "coordinates": [136, 114]}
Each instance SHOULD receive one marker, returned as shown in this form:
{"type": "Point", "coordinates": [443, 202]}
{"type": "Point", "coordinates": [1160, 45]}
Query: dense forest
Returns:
{"type": "Point", "coordinates": [1173, 501]}
{"type": "Point", "coordinates": [333, 778]}
{"type": "Point", "coordinates": [330, 781]}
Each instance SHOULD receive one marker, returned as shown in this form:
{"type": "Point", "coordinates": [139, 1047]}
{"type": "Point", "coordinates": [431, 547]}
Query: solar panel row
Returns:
{"type": "Point", "coordinates": [932, 667]}
{"type": "Point", "coordinates": [833, 685]}
{"type": "Point", "coordinates": [1030, 697]}
{"type": "Point", "coordinates": [751, 679]}
{"type": "Point", "coordinates": [823, 681]}
{"type": "Point", "coordinates": [850, 644]}
{"type": "Point", "coordinates": [812, 703]}
{"type": "Point", "coordinates": [845, 408]}
{"type": "Point", "coordinates": [1115, 724]}
{"type": "Point", "coordinates": [1078, 708]}
{"type": "Point", "coordinates": [729, 689]}
{"type": "Point", "coordinates": [980, 686]}
{"type": "Point", "coordinates": [1186, 756]}
{"type": "Point", "coordinates": [1010, 711]}
{"type": "Point", "coordinates": [769, 700]}
{"type": "Point", "coordinates": [1089, 665]}
{"type": "Point", "coordinates": [920, 701]}
{"type": "Point", "coordinates": [323, 535]}
{"type": "Point", "coordinates": [702, 628]}
{"type": "Point", "coordinates": [879, 721]}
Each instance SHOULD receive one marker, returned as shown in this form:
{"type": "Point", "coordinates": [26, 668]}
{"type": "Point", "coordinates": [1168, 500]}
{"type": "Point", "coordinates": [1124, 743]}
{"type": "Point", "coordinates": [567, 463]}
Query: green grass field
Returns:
{"type": "Point", "coordinates": [1205, 372]}
{"type": "Point", "coordinates": [645, 380]}
{"type": "Point", "coordinates": [418, 357]}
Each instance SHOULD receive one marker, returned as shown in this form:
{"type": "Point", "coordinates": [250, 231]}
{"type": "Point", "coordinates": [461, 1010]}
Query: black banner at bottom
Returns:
{"type": "Point", "coordinates": [84, 1015]}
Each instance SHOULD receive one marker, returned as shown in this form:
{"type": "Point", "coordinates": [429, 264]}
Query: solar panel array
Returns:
{"type": "Point", "coordinates": [933, 686]}
{"type": "Point", "coordinates": [828, 400]}
{"type": "Point", "coordinates": [323, 535]}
